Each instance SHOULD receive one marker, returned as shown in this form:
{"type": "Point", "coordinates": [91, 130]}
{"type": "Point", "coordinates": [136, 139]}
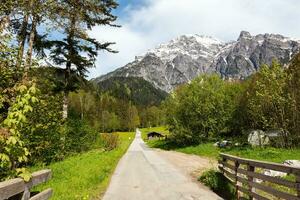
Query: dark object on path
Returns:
{"type": "Point", "coordinates": [152, 135]}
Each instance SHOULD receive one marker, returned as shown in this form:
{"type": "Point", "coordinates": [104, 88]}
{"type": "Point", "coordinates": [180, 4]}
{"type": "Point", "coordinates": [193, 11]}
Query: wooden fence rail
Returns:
{"type": "Point", "coordinates": [18, 189]}
{"type": "Point", "coordinates": [249, 179]}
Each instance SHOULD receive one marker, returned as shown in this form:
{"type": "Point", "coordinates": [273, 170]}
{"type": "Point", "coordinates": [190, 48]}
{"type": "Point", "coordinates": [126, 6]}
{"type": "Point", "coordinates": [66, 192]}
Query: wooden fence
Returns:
{"type": "Point", "coordinates": [18, 189]}
{"type": "Point", "coordinates": [250, 181]}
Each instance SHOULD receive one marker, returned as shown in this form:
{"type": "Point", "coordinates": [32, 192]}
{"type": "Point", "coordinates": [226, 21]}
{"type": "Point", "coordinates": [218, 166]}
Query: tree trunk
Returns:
{"type": "Point", "coordinates": [81, 107]}
{"type": "Point", "coordinates": [65, 106]}
{"type": "Point", "coordinates": [68, 66]}
{"type": "Point", "coordinates": [30, 47]}
{"type": "Point", "coordinates": [21, 40]}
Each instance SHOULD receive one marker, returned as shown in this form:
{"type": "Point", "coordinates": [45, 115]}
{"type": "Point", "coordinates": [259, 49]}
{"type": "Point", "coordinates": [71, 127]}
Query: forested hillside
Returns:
{"type": "Point", "coordinates": [134, 89]}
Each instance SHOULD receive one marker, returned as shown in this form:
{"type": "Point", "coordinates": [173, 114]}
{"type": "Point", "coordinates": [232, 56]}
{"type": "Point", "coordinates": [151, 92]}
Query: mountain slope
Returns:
{"type": "Point", "coordinates": [188, 56]}
{"type": "Point", "coordinates": [134, 89]}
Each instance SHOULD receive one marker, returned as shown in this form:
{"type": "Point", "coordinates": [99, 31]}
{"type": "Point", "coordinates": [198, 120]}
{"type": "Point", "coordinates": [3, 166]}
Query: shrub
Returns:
{"type": "Point", "coordinates": [110, 141]}
{"type": "Point", "coordinates": [216, 181]}
{"type": "Point", "coordinates": [202, 110]}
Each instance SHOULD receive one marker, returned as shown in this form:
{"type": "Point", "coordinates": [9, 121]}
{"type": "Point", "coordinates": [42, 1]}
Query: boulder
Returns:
{"type": "Point", "coordinates": [292, 163]}
{"type": "Point", "coordinates": [258, 138]}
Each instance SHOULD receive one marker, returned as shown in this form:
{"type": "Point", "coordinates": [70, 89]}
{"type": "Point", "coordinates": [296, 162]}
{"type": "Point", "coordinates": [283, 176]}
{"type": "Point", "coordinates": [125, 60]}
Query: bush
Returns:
{"type": "Point", "coordinates": [217, 182]}
{"type": "Point", "coordinates": [202, 110]}
{"type": "Point", "coordinates": [110, 141]}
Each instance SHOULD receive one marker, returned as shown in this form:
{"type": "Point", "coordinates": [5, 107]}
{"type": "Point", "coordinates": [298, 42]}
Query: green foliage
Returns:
{"type": "Point", "coordinates": [77, 136]}
{"type": "Point", "coordinates": [133, 117]}
{"type": "Point", "coordinates": [13, 150]}
{"type": "Point", "coordinates": [294, 93]}
{"type": "Point", "coordinates": [133, 89]}
{"type": "Point", "coordinates": [86, 175]}
{"type": "Point", "coordinates": [152, 116]}
{"type": "Point", "coordinates": [201, 110]}
{"type": "Point", "coordinates": [106, 113]}
{"type": "Point", "coordinates": [210, 108]}
{"type": "Point", "coordinates": [267, 100]}
{"type": "Point", "coordinates": [218, 183]}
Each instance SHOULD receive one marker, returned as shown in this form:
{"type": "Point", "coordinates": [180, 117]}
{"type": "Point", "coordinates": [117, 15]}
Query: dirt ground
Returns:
{"type": "Point", "coordinates": [191, 165]}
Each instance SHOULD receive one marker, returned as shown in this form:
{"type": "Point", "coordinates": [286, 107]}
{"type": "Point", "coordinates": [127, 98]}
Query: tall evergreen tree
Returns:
{"type": "Point", "coordinates": [77, 50]}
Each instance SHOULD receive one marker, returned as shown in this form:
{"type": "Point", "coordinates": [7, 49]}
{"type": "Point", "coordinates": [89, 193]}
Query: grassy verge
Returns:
{"type": "Point", "coordinates": [208, 150]}
{"type": "Point", "coordinates": [85, 176]}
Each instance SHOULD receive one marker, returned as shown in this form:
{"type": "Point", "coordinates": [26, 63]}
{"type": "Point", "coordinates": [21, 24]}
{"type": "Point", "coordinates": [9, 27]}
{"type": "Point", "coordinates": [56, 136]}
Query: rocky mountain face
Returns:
{"type": "Point", "coordinates": [188, 56]}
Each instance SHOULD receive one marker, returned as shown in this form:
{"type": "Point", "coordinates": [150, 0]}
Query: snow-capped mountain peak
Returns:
{"type": "Point", "coordinates": [185, 57]}
{"type": "Point", "coordinates": [194, 46]}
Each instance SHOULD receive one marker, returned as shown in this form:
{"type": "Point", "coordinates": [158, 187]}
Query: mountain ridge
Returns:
{"type": "Point", "coordinates": [187, 56]}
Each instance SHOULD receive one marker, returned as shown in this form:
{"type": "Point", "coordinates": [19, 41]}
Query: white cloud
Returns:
{"type": "Point", "coordinates": [161, 20]}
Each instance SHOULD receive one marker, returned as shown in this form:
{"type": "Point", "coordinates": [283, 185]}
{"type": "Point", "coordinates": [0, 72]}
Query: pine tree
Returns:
{"type": "Point", "coordinates": [77, 51]}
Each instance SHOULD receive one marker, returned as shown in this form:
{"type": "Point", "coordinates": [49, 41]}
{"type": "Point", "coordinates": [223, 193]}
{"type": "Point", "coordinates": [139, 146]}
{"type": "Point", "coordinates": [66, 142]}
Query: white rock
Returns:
{"type": "Point", "coordinates": [258, 138]}
{"type": "Point", "coordinates": [292, 163]}
{"type": "Point", "coordinates": [274, 173]}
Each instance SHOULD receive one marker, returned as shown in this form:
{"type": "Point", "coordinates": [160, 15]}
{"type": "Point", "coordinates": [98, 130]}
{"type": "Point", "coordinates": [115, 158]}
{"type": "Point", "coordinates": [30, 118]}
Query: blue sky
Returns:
{"type": "Point", "coordinates": [147, 23]}
{"type": "Point", "coordinates": [125, 4]}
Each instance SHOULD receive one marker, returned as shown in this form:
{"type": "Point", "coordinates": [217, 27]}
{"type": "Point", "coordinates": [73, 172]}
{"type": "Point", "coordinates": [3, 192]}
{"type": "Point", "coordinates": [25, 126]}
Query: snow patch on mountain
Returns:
{"type": "Point", "coordinates": [185, 57]}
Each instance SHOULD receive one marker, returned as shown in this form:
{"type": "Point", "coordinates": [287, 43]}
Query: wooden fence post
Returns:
{"type": "Point", "coordinates": [224, 161]}
{"type": "Point", "coordinates": [236, 166]}
{"type": "Point", "coordinates": [250, 179]}
{"type": "Point", "coordinates": [298, 181]}
{"type": "Point", "coordinates": [26, 193]}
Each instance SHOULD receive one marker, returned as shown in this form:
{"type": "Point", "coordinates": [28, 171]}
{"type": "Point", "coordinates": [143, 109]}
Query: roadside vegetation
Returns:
{"type": "Point", "coordinates": [266, 153]}
{"type": "Point", "coordinates": [48, 110]}
{"type": "Point", "coordinates": [86, 175]}
{"type": "Point", "coordinates": [210, 109]}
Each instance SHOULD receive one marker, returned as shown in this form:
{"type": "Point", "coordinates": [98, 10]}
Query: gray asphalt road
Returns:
{"type": "Point", "coordinates": [143, 175]}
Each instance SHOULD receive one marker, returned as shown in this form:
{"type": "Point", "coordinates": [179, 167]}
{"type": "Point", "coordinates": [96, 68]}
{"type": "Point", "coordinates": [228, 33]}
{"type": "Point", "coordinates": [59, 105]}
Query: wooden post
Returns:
{"type": "Point", "coordinates": [26, 193]}
{"type": "Point", "coordinates": [236, 166]}
{"type": "Point", "coordinates": [223, 161]}
{"type": "Point", "coordinates": [298, 181]}
{"type": "Point", "coordinates": [250, 179]}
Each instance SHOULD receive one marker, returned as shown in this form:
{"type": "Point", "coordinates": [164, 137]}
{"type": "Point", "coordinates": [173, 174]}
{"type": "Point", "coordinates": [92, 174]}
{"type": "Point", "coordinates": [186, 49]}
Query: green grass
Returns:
{"type": "Point", "coordinates": [85, 176]}
{"type": "Point", "coordinates": [270, 154]}
{"type": "Point", "coordinates": [208, 150]}
{"type": "Point", "coordinates": [218, 183]}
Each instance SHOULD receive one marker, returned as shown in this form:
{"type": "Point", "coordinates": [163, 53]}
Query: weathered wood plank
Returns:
{"type": "Point", "coordinates": [225, 164]}
{"type": "Point", "coordinates": [230, 175]}
{"type": "Point", "coordinates": [271, 179]}
{"type": "Point", "coordinates": [274, 192]}
{"type": "Point", "coordinates": [11, 187]}
{"type": "Point", "coordinates": [252, 194]}
{"type": "Point", "coordinates": [40, 177]}
{"type": "Point", "coordinates": [265, 165]}
{"type": "Point", "coordinates": [16, 186]}
{"type": "Point", "coordinates": [45, 195]}
{"type": "Point", "coordinates": [236, 166]}
{"type": "Point", "coordinates": [267, 189]}
{"type": "Point", "coordinates": [298, 186]}
{"type": "Point", "coordinates": [250, 179]}
{"type": "Point", "coordinates": [251, 174]}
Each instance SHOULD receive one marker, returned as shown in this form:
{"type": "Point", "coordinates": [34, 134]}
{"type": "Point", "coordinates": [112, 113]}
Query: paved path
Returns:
{"type": "Point", "coordinates": [143, 175]}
